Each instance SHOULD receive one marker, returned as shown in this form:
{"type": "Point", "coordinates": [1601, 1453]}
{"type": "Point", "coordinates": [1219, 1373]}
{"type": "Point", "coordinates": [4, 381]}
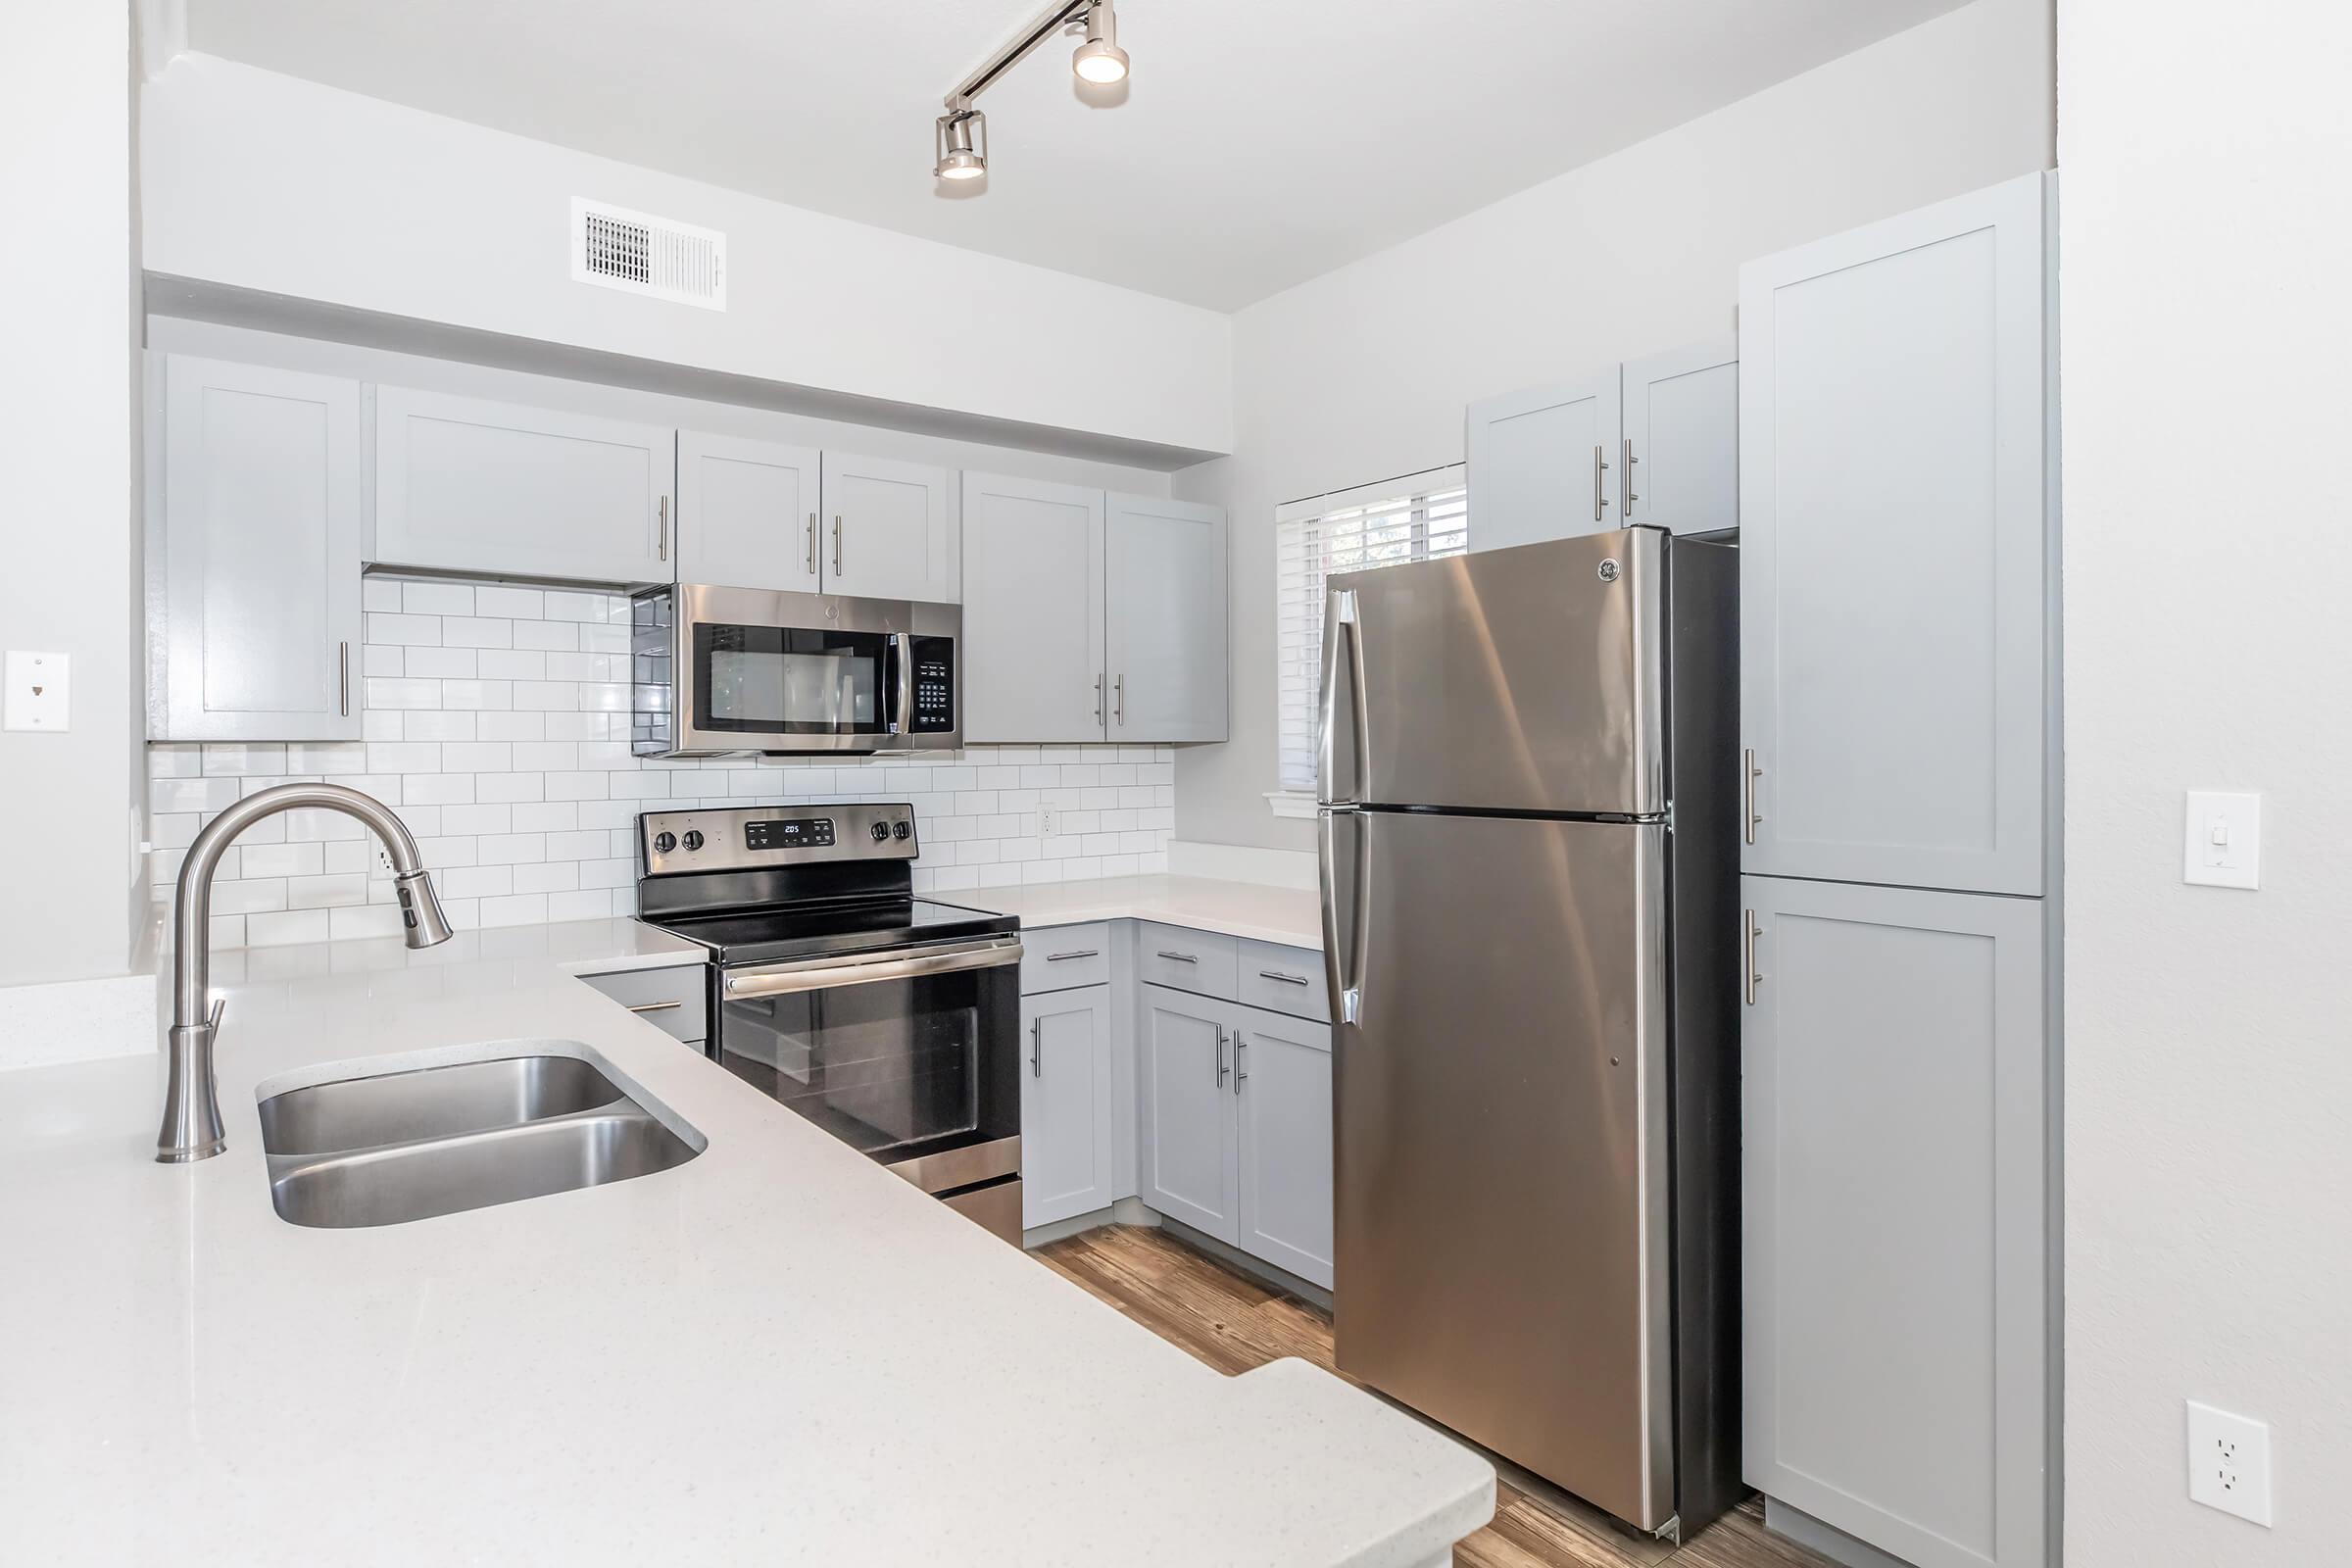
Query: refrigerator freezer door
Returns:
{"type": "Point", "coordinates": [1501, 1150]}
{"type": "Point", "coordinates": [1531, 680]}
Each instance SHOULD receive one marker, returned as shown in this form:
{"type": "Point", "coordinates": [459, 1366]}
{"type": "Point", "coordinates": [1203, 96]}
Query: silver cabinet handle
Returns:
{"type": "Point", "coordinates": [1600, 496]}
{"type": "Point", "coordinates": [655, 1007]}
{"type": "Point", "coordinates": [1239, 1040]}
{"type": "Point", "coordinates": [1037, 1049]}
{"type": "Point", "coordinates": [343, 676]}
{"type": "Point", "coordinates": [1118, 690]}
{"type": "Point", "coordinates": [663, 511]}
{"type": "Point", "coordinates": [1098, 699]}
{"type": "Point", "coordinates": [1286, 979]}
{"type": "Point", "coordinates": [1062, 958]}
{"type": "Point", "coordinates": [1179, 957]}
{"type": "Point", "coordinates": [812, 544]}
{"type": "Point", "coordinates": [1627, 514]}
{"type": "Point", "coordinates": [1748, 954]}
{"type": "Point", "coordinates": [1748, 787]}
{"type": "Point", "coordinates": [837, 544]}
{"type": "Point", "coordinates": [1220, 1028]}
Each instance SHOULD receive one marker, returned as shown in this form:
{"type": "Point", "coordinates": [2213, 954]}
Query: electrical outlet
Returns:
{"type": "Point", "coordinates": [1047, 820]}
{"type": "Point", "coordinates": [2229, 1463]}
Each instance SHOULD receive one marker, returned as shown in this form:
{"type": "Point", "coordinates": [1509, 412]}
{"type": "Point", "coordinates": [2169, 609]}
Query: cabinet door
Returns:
{"type": "Point", "coordinates": [1282, 1079]}
{"type": "Point", "coordinates": [1543, 463]}
{"type": "Point", "coordinates": [886, 531]}
{"type": "Point", "coordinates": [1895, 1235]}
{"type": "Point", "coordinates": [497, 489]}
{"type": "Point", "coordinates": [1892, 441]}
{"type": "Point", "coordinates": [1164, 603]}
{"type": "Point", "coordinates": [258, 618]}
{"type": "Point", "coordinates": [1679, 469]}
{"type": "Point", "coordinates": [1066, 1123]}
{"type": "Point", "coordinates": [1032, 610]}
{"type": "Point", "coordinates": [747, 514]}
{"type": "Point", "coordinates": [1190, 1125]}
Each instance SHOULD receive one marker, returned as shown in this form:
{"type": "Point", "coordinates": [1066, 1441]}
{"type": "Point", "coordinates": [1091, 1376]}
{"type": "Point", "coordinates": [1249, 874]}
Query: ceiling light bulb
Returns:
{"type": "Point", "coordinates": [961, 142]}
{"type": "Point", "coordinates": [1099, 59]}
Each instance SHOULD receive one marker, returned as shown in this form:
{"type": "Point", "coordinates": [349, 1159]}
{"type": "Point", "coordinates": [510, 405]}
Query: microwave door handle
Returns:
{"type": "Point", "coordinates": [903, 721]}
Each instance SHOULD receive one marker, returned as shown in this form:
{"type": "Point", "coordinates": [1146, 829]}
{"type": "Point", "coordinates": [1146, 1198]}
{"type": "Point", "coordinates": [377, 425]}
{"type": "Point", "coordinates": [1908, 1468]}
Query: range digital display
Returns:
{"type": "Point", "coordinates": [789, 833]}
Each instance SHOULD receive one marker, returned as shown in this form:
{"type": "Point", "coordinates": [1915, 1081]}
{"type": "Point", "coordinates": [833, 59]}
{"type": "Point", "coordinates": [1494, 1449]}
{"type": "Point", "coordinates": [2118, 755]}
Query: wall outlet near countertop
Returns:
{"type": "Point", "coordinates": [1047, 826]}
{"type": "Point", "coordinates": [2229, 1463]}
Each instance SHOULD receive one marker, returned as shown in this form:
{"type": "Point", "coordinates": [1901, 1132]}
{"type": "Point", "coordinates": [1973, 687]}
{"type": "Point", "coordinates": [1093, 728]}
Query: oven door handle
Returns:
{"type": "Point", "coordinates": [904, 963]}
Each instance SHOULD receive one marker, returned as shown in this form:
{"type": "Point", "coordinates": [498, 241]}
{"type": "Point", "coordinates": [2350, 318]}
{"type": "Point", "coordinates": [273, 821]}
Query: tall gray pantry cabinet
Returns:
{"type": "Point", "coordinates": [1898, 530]}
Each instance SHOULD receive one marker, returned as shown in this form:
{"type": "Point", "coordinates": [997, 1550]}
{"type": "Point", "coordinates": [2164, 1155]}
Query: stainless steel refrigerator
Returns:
{"type": "Point", "coordinates": [1530, 868]}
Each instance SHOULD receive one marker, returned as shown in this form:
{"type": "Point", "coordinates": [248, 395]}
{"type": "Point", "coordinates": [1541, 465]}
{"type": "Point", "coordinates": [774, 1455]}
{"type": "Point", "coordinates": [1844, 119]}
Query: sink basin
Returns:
{"type": "Point", "coordinates": [410, 1145]}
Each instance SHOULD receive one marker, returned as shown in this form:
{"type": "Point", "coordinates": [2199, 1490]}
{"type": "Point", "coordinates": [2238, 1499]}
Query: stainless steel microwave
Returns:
{"type": "Point", "coordinates": [715, 671]}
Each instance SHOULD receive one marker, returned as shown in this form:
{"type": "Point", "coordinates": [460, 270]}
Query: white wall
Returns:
{"type": "Point", "coordinates": [2206, 241]}
{"type": "Point", "coordinates": [267, 182]}
{"type": "Point", "coordinates": [1363, 372]}
{"type": "Point", "coordinates": [67, 558]}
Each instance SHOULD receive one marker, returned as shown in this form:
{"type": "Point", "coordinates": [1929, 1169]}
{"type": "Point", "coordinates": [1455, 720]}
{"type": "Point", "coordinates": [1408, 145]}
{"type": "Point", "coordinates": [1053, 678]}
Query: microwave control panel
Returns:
{"type": "Point", "coordinates": [934, 687]}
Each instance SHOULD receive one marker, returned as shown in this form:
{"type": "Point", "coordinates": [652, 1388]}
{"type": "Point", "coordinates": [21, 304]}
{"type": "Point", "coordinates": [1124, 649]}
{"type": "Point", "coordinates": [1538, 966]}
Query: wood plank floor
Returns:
{"type": "Point", "coordinates": [1233, 1323]}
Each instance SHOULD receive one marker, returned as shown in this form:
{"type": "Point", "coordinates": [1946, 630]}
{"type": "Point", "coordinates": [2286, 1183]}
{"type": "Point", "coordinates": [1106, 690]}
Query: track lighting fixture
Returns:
{"type": "Point", "coordinates": [959, 137]}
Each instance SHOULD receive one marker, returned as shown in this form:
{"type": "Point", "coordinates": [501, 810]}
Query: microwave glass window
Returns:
{"type": "Point", "coordinates": [774, 681]}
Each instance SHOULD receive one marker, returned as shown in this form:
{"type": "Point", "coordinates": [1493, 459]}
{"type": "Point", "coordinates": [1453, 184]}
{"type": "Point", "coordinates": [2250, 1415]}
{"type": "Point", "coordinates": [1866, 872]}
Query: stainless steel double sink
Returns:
{"type": "Point", "coordinates": [409, 1145]}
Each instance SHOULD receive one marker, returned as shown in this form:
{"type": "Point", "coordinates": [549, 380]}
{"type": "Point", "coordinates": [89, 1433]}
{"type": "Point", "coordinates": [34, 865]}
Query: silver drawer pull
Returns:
{"type": "Point", "coordinates": [1061, 957]}
{"type": "Point", "coordinates": [1178, 957]}
{"type": "Point", "coordinates": [1286, 979]}
{"type": "Point", "coordinates": [655, 1007]}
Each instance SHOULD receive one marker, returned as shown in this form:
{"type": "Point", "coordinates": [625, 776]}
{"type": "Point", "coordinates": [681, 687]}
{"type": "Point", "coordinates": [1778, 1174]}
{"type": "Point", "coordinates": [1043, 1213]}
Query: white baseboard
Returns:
{"type": "Point", "coordinates": [1243, 863]}
{"type": "Point", "coordinates": [77, 1020]}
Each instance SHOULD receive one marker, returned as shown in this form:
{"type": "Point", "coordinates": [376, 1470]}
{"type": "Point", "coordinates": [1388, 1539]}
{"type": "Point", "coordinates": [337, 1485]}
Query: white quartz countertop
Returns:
{"type": "Point", "coordinates": [1292, 916]}
{"type": "Point", "coordinates": [776, 1353]}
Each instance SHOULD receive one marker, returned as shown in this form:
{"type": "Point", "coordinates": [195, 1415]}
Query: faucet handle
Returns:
{"type": "Point", "coordinates": [212, 1023]}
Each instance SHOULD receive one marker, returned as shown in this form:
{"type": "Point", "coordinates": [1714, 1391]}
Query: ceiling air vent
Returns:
{"type": "Point", "coordinates": [616, 248]}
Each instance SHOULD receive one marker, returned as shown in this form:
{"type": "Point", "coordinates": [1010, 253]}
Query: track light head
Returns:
{"type": "Point", "coordinates": [1099, 59]}
{"type": "Point", "coordinates": [959, 139]}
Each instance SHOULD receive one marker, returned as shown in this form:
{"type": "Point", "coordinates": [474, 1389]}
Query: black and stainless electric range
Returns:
{"type": "Point", "coordinates": [889, 1020]}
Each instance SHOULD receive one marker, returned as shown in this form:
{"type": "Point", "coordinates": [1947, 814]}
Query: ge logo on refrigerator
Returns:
{"type": "Point", "coordinates": [1609, 570]}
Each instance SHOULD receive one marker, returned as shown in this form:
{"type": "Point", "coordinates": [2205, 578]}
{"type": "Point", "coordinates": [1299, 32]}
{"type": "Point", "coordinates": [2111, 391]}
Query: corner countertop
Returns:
{"type": "Point", "coordinates": [777, 1350]}
{"type": "Point", "coordinates": [1292, 916]}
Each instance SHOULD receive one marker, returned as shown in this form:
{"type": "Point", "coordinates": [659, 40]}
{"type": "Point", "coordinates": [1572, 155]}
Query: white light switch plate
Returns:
{"type": "Point", "coordinates": [2229, 1463]}
{"type": "Point", "coordinates": [2222, 844]}
{"type": "Point", "coordinates": [36, 691]}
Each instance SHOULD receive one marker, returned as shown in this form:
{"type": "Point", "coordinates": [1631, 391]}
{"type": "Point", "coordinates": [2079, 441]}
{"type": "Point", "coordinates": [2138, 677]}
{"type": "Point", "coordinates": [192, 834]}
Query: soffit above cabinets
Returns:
{"type": "Point", "coordinates": [1252, 148]}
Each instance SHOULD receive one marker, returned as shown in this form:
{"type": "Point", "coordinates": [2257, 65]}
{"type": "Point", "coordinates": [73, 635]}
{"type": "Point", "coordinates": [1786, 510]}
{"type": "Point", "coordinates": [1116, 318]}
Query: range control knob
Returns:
{"type": "Point", "coordinates": [664, 843]}
{"type": "Point", "coordinates": [881, 832]}
{"type": "Point", "coordinates": [694, 839]}
{"type": "Point", "coordinates": [902, 830]}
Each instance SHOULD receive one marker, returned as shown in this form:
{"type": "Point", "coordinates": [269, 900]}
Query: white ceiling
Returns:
{"type": "Point", "coordinates": [1259, 143]}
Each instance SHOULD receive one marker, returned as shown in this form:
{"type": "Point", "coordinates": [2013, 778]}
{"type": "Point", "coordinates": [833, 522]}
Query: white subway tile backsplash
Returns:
{"type": "Point", "coordinates": [495, 720]}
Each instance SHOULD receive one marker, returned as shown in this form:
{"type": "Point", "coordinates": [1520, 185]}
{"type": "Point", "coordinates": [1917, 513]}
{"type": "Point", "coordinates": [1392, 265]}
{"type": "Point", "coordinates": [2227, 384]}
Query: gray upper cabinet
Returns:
{"type": "Point", "coordinates": [1032, 610]}
{"type": "Point", "coordinates": [495, 489]}
{"type": "Point", "coordinates": [1190, 1123]}
{"type": "Point", "coordinates": [1894, 1258]}
{"type": "Point", "coordinates": [254, 556]}
{"type": "Point", "coordinates": [1678, 465]}
{"type": "Point", "coordinates": [1281, 1084]}
{"type": "Point", "coordinates": [887, 532]}
{"type": "Point", "coordinates": [747, 514]}
{"type": "Point", "coordinates": [1894, 428]}
{"type": "Point", "coordinates": [1067, 1127]}
{"type": "Point", "coordinates": [1165, 634]}
{"type": "Point", "coordinates": [1544, 464]}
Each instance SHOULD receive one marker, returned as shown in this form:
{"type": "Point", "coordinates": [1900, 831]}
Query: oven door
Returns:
{"type": "Point", "coordinates": [910, 1055]}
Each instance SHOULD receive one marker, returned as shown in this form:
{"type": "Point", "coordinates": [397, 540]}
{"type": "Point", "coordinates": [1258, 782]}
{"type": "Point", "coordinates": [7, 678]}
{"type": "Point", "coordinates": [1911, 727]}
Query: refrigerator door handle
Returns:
{"type": "Point", "coordinates": [1343, 937]}
{"type": "Point", "coordinates": [1344, 627]}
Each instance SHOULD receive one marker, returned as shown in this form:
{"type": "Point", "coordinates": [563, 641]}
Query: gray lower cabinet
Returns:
{"type": "Point", "coordinates": [1894, 1238]}
{"type": "Point", "coordinates": [674, 999]}
{"type": "Point", "coordinates": [1189, 1127]}
{"type": "Point", "coordinates": [1281, 1087]}
{"type": "Point", "coordinates": [1164, 619]}
{"type": "Point", "coordinates": [747, 512]}
{"type": "Point", "coordinates": [1067, 1123]}
{"type": "Point", "coordinates": [498, 489]}
{"type": "Point", "coordinates": [1895, 479]}
{"type": "Point", "coordinates": [253, 556]}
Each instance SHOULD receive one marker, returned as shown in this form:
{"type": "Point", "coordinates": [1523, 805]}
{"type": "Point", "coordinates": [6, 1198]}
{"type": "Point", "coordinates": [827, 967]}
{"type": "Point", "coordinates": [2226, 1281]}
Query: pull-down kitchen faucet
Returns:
{"type": "Point", "coordinates": [191, 1106]}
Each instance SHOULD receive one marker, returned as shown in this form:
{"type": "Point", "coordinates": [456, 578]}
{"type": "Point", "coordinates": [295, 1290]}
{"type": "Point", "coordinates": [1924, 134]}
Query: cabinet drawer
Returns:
{"type": "Point", "coordinates": [1058, 958]}
{"type": "Point", "coordinates": [1200, 961]}
{"type": "Point", "coordinates": [1284, 979]}
{"type": "Point", "coordinates": [673, 1000]}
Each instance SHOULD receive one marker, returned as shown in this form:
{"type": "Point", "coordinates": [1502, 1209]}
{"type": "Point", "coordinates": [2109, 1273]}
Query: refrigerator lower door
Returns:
{"type": "Point", "coordinates": [1502, 1240]}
